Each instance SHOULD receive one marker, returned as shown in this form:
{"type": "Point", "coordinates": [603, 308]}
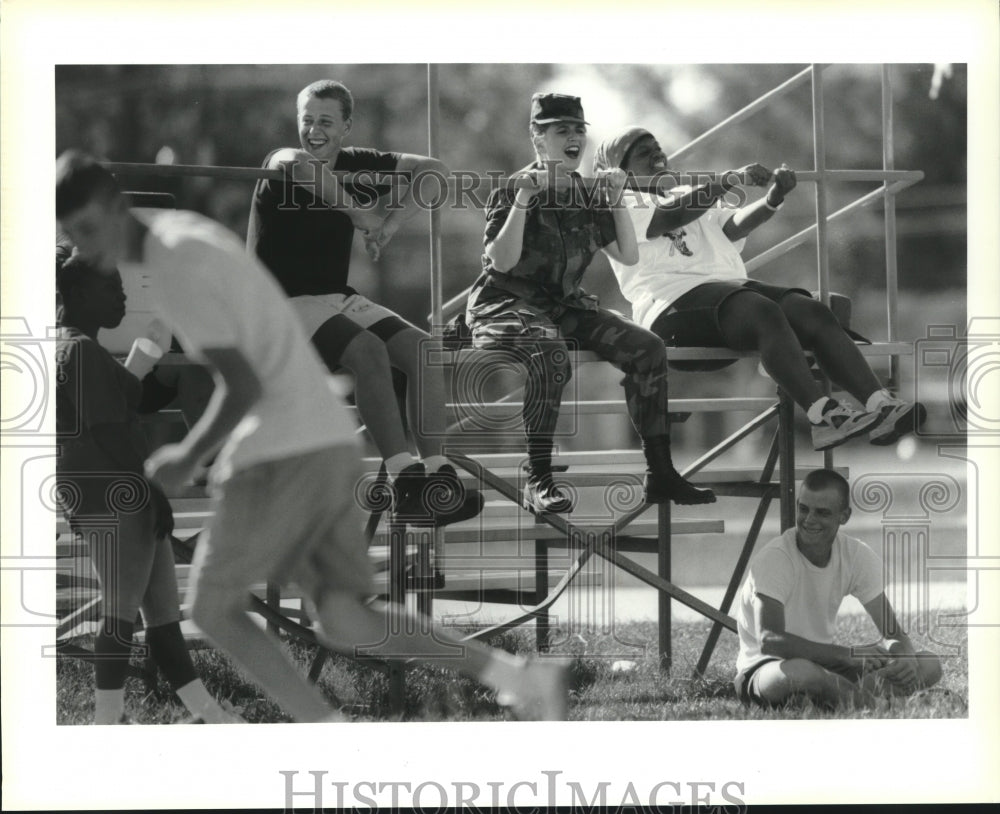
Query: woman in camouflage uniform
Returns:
{"type": "Point", "coordinates": [539, 242]}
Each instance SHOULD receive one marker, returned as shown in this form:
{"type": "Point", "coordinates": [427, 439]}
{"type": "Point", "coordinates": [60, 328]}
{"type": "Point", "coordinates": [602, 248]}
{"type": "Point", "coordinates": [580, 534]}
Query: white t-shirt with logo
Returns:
{"type": "Point", "coordinates": [811, 595]}
{"type": "Point", "coordinates": [215, 295]}
{"type": "Point", "coordinates": [671, 265]}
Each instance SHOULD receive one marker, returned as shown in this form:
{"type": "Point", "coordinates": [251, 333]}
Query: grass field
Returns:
{"type": "Point", "coordinates": [599, 692]}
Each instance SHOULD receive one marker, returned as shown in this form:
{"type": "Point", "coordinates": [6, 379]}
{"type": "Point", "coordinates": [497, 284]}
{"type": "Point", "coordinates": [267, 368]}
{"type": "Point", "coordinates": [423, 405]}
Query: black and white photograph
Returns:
{"type": "Point", "coordinates": [499, 426]}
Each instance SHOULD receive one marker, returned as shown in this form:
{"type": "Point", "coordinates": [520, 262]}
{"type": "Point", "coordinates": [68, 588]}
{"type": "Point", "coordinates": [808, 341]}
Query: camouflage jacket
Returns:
{"type": "Point", "coordinates": [561, 236]}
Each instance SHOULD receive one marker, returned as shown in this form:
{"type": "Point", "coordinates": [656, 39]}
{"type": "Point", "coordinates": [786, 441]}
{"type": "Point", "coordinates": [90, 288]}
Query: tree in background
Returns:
{"type": "Point", "coordinates": [233, 114]}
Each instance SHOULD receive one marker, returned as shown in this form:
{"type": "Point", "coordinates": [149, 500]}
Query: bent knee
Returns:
{"type": "Point", "coordinates": [364, 352]}
{"type": "Point", "coordinates": [767, 315]}
{"type": "Point", "coordinates": [808, 316]}
{"type": "Point", "coordinates": [746, 316]}
{"type": "Point", "coordinates": [784, 678]}
{"type": "Point", "coordinates": [414, 352]}
{"type": "Point", "coordinates": [652, 357]}
{"type": "Point", "coordinates": [650, 354]}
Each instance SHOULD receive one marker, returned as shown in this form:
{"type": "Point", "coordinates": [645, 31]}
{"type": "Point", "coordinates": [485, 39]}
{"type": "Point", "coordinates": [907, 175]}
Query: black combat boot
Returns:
{"type": "Point", "coordinates": [664, 483]}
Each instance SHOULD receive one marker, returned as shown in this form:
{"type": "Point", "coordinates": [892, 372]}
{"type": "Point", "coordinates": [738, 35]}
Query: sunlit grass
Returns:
{"type": "Point", "coordinates": [615, 676]}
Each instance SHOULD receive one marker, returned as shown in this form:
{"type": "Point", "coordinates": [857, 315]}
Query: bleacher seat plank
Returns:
{"type": "Point", "coordinates": [607, 406]}
{"type": "Point", "coordinates": [491, 532]}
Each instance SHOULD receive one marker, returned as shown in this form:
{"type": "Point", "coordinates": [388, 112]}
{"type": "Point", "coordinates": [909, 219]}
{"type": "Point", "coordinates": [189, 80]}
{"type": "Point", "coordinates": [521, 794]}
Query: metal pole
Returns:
{"type": "Point", "coordinates": [743, 560]}
{"type": "Point", "coordinates": [891, 280]}
{"type": "Point", "coordinates": [437, 298]}
{"type": "Point", "coordinates": [800, 237]}
{"type": "Point", "coordinates": [740, 115]}
{"type": "Point", "coordinates": [786, 459]}
{"type": "Point", "coordinates": [396, 532]}
{"type": "Point", "coordinates": [664, 621]}
{"type": "Point", "coordinates": [822, 255]}
{"type": "Point", "coordinates": [433, 114]}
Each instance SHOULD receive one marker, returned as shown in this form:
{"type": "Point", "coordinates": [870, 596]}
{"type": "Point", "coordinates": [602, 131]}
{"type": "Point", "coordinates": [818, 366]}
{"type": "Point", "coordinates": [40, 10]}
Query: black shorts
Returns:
{"type": "Point", "coordinates": [744, 691]}
{"type": "Point", "coordinates": [333, 336]}
{"type": "Point", "coordinates": [692, 320]}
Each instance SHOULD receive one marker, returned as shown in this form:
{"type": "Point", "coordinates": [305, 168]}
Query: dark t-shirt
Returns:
{"type": "Point", "coordinates": [303, 241]}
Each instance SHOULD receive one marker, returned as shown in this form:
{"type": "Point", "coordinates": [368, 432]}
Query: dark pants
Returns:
{"type": "Point", "coordinates": [541, 341]}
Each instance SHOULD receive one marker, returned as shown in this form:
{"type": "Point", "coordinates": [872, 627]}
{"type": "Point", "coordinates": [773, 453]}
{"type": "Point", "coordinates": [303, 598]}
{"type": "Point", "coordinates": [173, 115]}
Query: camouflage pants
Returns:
{"type": "Point", "coordinates": [541, 341]}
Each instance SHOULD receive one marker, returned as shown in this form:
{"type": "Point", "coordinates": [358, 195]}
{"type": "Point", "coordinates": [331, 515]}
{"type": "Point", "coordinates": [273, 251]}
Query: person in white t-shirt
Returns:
{"type": "Point", "coordinates": [788, 608]}
{"type": "Point", "coordinates": [690, 287]}
{"type": "Point", "coordinates": [285, 480]}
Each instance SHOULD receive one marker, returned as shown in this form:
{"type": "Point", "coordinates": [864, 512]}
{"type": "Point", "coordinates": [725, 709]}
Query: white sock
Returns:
{"type": "Point", "coordinates": [435, 462]}
{"type": "Point", "coordinates": [397, 463]}
{"type": "Point", "coordinates": [504, 671]}
{"type": "Point", "coordinates": [877, 400]}
{"type": "Point", "coordinates": [109, 706]}
{"type": "Point", "coordinates": [195, 696]}
{"type": "Point", "coordinates": [816, 409]}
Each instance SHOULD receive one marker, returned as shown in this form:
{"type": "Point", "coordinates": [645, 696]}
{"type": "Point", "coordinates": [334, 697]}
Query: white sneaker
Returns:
{"type": "Point", "coordinates": [841, 424]}
{"type": "Point", "coordinates": [896, 419]}
{"type": "Point", "coordinates": [543, 694]}
{"type": "Point", "coordinates": [230, 715]}
{"type": "Point", "coordinates": [234, 714]}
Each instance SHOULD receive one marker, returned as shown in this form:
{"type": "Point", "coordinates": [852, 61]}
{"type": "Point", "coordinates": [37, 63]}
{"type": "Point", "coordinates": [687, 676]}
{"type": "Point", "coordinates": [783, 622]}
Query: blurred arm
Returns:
{"type": "Point", "coordinates": [237, 389]}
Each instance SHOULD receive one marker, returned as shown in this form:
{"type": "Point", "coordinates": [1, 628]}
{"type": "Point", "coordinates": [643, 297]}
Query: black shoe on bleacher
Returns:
{"type": "Point", "coordinates": [663, 483]}
{"type": "Point", "coordinates": [434, 500]}
{"type": "Point", "coordinates": [408, 496]}
{"type": "Point", "coordinates": [662, 487]}
{"type": "Point", "coordinates": [448, 499]}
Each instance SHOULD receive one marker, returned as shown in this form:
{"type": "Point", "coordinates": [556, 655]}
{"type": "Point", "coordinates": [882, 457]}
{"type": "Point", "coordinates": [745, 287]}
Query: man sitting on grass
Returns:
{"type": "Point", "coordinates": [788, 606]}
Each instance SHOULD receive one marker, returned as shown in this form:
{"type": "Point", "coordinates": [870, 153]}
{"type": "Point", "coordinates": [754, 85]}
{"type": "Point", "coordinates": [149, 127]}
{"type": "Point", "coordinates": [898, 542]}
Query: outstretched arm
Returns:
{"type": "Point", "coordinates": [690, 206]}
{"type": "Point", "coordinates": [304, 170]}
{"type": "Point", "coordinates": [421, 169]}
{"type": "Point", "coordinates": [776, 641]}
{"type": "Point", "coordinates": [745, 220]}
{"type": "Point", "coordinates": [237, 388]}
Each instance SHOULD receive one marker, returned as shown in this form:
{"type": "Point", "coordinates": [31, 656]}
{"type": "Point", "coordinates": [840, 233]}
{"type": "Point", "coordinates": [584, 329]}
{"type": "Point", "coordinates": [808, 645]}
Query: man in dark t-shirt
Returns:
{"type": "Point", "coordinates": [302, 228]}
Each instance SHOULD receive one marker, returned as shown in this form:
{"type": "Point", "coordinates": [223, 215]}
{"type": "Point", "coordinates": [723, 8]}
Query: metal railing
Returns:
{"type": "Point", "coordinates": [893, 182]}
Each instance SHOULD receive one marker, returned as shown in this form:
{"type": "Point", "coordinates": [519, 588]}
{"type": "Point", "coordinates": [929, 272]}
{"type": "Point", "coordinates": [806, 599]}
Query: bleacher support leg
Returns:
{"type": "Point", "coordinates": [425, 574]}
{"type": "Point", "coordinates": [786, 458]}
{"type": "Point", "coordinates": [273, 598]}
{"type": "Point", "coordinates": [543, 624]}
{"type": "Point", "coordinates": [744, 558]}
{"type": "Point", "coordinates": [397, 602]}
{"type": "Point", "coordinates": [663, 571]}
